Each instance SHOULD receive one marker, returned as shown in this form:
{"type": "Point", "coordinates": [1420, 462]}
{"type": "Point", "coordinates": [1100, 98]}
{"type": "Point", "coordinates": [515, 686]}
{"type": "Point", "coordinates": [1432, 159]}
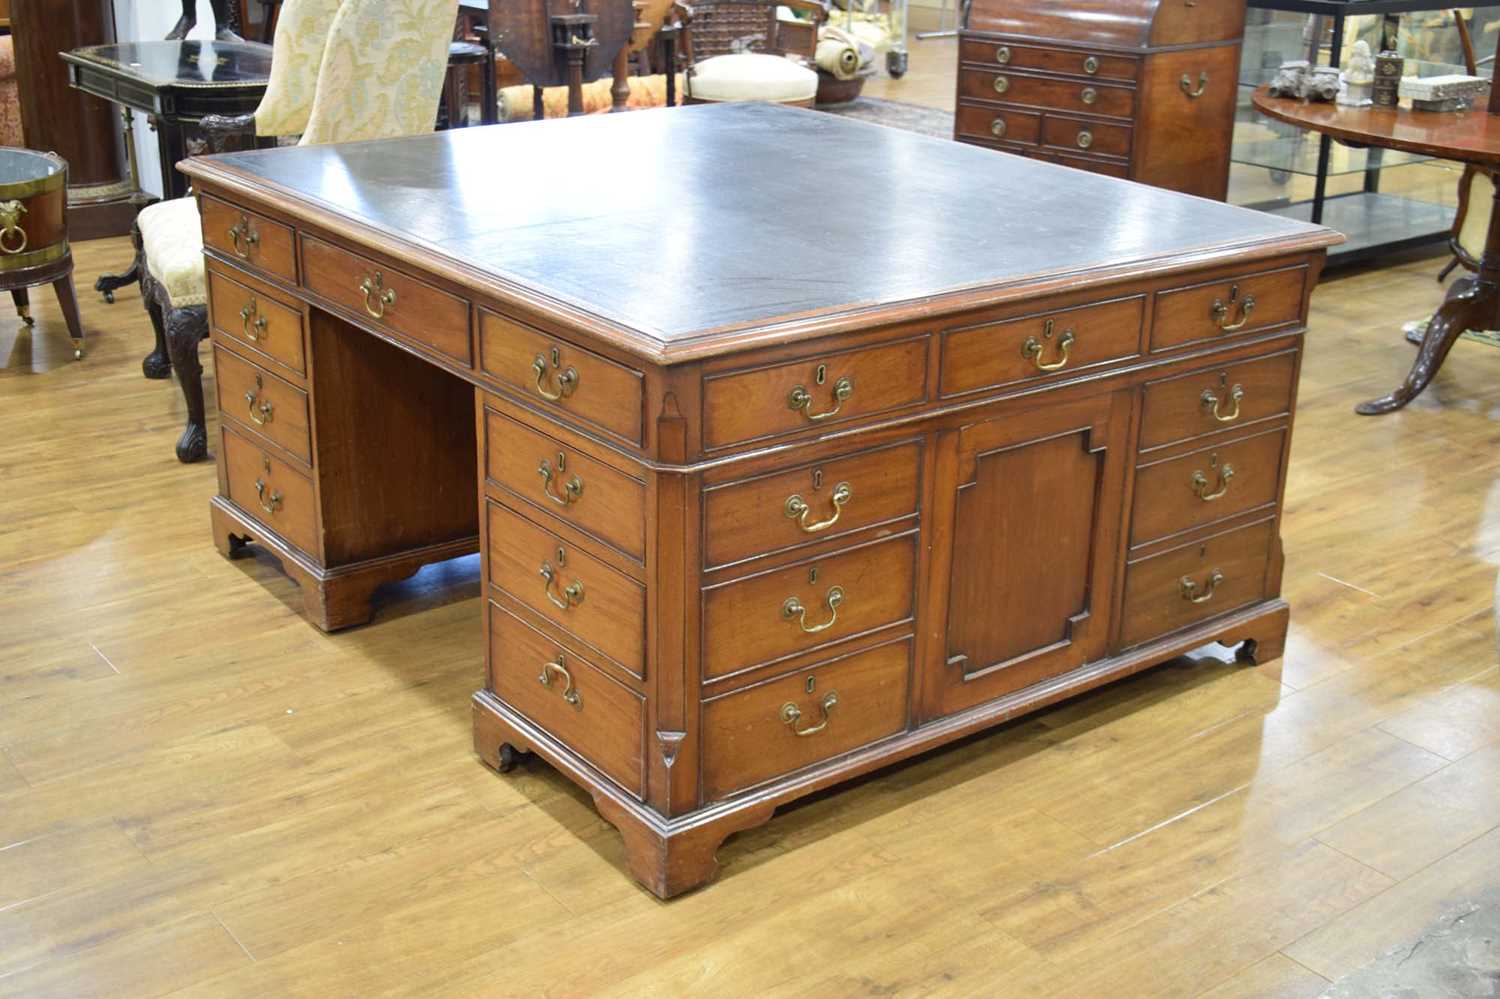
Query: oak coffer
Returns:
{"type": "Point", "coordinates": [769, 491]}
{"type": "Point", "coordinates": [1142, 89]}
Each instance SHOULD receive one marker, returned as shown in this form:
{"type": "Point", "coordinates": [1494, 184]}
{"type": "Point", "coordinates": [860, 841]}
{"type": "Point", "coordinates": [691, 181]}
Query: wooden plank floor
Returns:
{"type": "Point", "coordinates": [202, 795]}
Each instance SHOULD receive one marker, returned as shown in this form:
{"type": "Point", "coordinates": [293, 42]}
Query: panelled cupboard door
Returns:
{"type": "Point", "coordinates": [1033, 508]}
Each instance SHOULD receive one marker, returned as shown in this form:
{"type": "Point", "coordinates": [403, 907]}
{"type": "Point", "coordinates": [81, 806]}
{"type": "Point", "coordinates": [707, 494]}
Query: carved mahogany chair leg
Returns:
{"type": "Point", "coordinates": [158, 363]}
{"type": "Point", "coordinates": [185, 329]}
{"type": "Point", "coordinates": [23, 305]}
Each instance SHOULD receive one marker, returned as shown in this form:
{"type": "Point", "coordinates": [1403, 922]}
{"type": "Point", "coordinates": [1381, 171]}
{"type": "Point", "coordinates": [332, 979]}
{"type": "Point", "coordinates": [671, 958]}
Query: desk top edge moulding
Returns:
{"type": "Point", "coordinates": [754, 519]}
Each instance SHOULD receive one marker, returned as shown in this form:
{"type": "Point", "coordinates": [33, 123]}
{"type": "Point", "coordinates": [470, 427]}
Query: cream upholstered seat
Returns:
{"type": "Point", "coordinates": [175, 258]}
{"type": "Point", "coordinates": [752, 76]}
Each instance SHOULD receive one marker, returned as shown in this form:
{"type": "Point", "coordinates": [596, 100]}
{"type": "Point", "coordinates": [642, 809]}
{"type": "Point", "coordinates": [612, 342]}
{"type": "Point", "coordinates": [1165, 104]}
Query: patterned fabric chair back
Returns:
{"type": "Point", "coordinates": [382, 70]}
{"type": "Point", "coordinates": [296, 53]}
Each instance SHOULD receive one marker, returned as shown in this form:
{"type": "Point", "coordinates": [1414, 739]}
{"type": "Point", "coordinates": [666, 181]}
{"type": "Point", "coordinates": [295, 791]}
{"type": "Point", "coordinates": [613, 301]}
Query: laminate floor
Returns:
{"type": "Point", "coordinates": [202, 795]}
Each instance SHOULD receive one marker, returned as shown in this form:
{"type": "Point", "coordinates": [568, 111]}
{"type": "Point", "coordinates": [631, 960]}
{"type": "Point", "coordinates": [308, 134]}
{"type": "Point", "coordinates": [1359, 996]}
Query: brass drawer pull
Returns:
{"type": "Point", "coordinates": [567, 381]}
{"type": "Point", "coordinates": [572, 594]}
{"type": "Point", "coordinates": [560, 667]}
{"type": "Point", "coordinates": [266, 408]}
{"type": "Point", "coordinates": [1199, 483]}
{"type": "Point", "coordinates": [1090, 96]}
{"type": "Point", "coordinates": [378, 298]}
{"type": "Point", "coordinates": [244, 231]}
{"type": "Point", "coordinates": [249, 309]}
{"type": "Point", "coordinates": [801, 400]}
{"type": "Point", "coordinates": [1190, 589]}
{"type": "Point", "coordinates": [1090, 65]}
{"type": "Point", "coordinates": [1002, 55]}
{"type": "Point", "coordinates": [1211, 403]}
{"type": "Point", "coordinates": [1085, 138]}
{"type": "Point", "coordinates": [1187, 85]}
{"type": "Point", "coordinates": [1222, 311]}
{"type": "Point", "coordinates": [1001, 84]}
{"type": "Point", "coordinates": [997, 128]}
{"type": "Point", "coordinates": [798, 509]}
{"type": "Point", "coordinates": [571, 492]}
{"type": "Point", "coordinates": [791, 715]}
{"type": "Point", "coordinates": [1032, 349]}
{"type": "Point", "coordinates": [272, 504]}
{"type": "Point", "coordinates": [793, 609]}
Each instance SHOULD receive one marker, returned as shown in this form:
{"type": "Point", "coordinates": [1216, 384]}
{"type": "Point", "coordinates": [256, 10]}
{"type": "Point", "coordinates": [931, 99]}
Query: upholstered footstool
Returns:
{"type": "Point", "coordinates": [169, 252]}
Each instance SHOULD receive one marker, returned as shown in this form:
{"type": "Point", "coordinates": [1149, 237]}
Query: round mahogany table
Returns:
{"type": "Point", "coordinates": [1466, 136]}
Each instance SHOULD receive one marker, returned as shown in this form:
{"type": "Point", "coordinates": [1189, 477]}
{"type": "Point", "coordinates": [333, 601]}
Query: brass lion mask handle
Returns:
{"type": "Point", "coordinates": [797, 508]}
{"type": "Point", "coordinates": [1190, 591]}
{"type": "Point", "coordinates": [560, 667]}
{"type": "Point", "coordinates": [1212, 402]}
{"type": "Point", "coordinates": [12, 235]}
{"type": "Point", "coordinates": [793, 608]}
{"type": "Point", "coordinates": [791, 715]}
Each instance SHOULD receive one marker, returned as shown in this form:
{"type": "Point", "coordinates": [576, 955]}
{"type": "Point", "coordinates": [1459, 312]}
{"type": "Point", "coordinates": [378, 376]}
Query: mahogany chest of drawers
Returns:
{"type": "Point", "coordinates": [1141, 89]}
{"type": "Point", "coordinates": [753, 522]}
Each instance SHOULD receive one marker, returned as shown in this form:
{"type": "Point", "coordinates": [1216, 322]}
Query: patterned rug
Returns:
{"type": "Point", "coordinates": [896, 114]}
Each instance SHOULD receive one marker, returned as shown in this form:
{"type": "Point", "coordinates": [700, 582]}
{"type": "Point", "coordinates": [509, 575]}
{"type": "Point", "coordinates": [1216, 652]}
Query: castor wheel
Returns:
{"type": "Point", "coordinates": [895, 64]}
{"type": "Point", "coordinates": [29, 320]}
{"type": "Point", "coordinates": [509, 757]}
{"type": "Point", "coordinates": [109, 297]}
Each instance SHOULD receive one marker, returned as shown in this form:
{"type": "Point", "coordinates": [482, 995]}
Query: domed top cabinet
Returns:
{"type": "Point", "coordinates": [1143, 89]}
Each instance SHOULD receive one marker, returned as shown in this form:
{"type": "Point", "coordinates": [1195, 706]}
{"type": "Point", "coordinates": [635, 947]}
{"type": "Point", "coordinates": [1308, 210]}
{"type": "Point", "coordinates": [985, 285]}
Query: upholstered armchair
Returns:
{"type": "Point", "coordinates": [740, 50]}
{"type": "Point", "coordinates": [377, 73]}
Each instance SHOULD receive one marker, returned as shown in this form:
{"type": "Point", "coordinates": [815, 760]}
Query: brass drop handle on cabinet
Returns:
{"type": "Point", "coordinates": [1222, 310]}
{"type": "Point", "coordinates": [1002, 55]}
{"type": "Point", "coordinates": [567, 381]}
{"type": "Point", "coordinates": [801, 400]}
{"type": "Point", "coordinates": [1211, 403]}
{"type": "Point", "coordinates": [791, 715]}
{"type": "Point", "coordinates": [1187, 85]}
{"type": "Point", "coordinates": [249, 309]}
{"type": "Point", "coordinates": [1032, 349]}
{"type": "Point", "coordinates": [1090, 65]}
{"type": "Point", "coordinates": [272, 504]}
{"type": "Point", "coordinates": [1085, 138]}
{"type": "Point", "coordinates": [793, 609]}
{"type": "Point", "coordinates": [572, 594]}
{"type": "Point", "coordinates": [1089, 96]}
{"type": "Point", "coordinates": [378, 298]}
{"type": "Point", "coordinates": [997, 128]}
{"type": "Point", "coordinates": [243, 237]}
{"type": "Point", "coordinates": [560, 667]}
{"type": "Point", "coordinates": [1001, 84]}
{"type": "Point", "coordinates": [1199, 482]}
{"type": "Point", "coordinates": [266, 409]}
{"type": "Point", "coordinates": [797, 508]}
{"type": "Point", "coordinates": [1190, 591]}
{"type": "Point", "coordinates": [571, 491]}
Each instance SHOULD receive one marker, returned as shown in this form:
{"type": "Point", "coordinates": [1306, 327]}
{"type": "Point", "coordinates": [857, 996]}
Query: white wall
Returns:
{"type": "Point", "coordinates": [138, 20]}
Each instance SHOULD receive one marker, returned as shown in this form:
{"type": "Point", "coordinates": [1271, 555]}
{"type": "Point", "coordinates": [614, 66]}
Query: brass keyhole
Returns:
{"type": "Point", "coordinates": [811, 683]}
{"type": "Point", "coordinates": [1213, 460]}
{"type": "Point", "coordinates": [562, 463]}
{"type": "Point", "coordinates": [1223, 378]}
{"type": "Point", "coordinates": [562, 558]}
{"type": "Point", "coordinates": [821, 375]}
{"type": "Point", "coordinates": [817, 479]}
{"type": "Point", "coordinates": [266, 462]}
{"type": "Point", "coordinates": [812, 575]}
{"type": "Point", "coordinates": [556, 358]}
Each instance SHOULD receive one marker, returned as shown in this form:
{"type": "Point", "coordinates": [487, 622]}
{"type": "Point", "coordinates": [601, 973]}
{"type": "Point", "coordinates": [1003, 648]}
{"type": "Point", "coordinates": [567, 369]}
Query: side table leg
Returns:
{"type": "Point", "coordinates": [23, 305]}
{"type": "Point", "coordinates": [68, 299]}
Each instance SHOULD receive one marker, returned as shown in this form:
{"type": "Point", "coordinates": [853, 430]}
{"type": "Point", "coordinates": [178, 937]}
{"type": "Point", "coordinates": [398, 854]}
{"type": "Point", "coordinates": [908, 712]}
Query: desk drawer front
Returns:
{"type": "Point", "coordinates": [601, 719]}
{"type": "Point", "coordinates": [271, 491]}
{"type": "Point", "coordinates": [1217, 399]}
{"type": "Point", "coordinates": [1229, 307]}
{"type": "Point", "coordinates": [566, 483]}
{"type": "Point", "coordinates": [259, 323]}
{"type": "Point", "coordinates": [1205, 486]}
{"type": "Point", "coordinates": [262, 403]}
{"type": "Point", "coordinates": [1196, 582]}
{"type": "Point", "coordinates": [567, 379]}
{"type": "Point", "coordinates": [1050, 343]}
{"type": "Point", "coordinates": [1007, 124]}
{"type": "Point", "coordinates": [815, 391]}
{"type": "Point", "coordinates": [397, 302]}
{"type": "Point", "coordinates": [1079, 135]}
{"type": "Point", "coordinates": [254, 240]}
{"type": "Point", "coordinates": [771, 513]}
{"type": "Point", "coordinates": [1072, 62]}
{"type": "Point", "coordinates": [602, 607]}
{"type": "Point", "coordinates": [812, 715]}
{"type": "Point", "coordinates": [786, 611]}
{"type": "Point", "coordinates": [1080, 96]}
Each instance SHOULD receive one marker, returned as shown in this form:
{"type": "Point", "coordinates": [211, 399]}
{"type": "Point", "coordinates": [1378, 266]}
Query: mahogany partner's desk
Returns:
{"type": "Point", "coordinates": [773, 488]}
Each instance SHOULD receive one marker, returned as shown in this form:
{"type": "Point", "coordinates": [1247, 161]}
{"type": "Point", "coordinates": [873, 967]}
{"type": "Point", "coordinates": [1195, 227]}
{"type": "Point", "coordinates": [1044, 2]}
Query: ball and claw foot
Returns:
{"type": "Point", "coordinates": [156, 365]}
{"type": "Point", "coordinates": [192, 445]}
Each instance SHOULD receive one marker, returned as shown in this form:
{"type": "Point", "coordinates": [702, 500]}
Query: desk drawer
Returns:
{"type": "Point", "coordinates": [785, 509]}
{"type": "Point", "coordinates": [260, 323]}
{"type": "Point", "coordinates": [1205, 486]}
{"type": "Point", "coordinates": [262, 403]}
{"type": "Point", "coordinates": [834, 387]}
{"type": "Point", "coordinates": [782, 612]}
{"type": "Point", "coordinates": [397, 302]}
{"type": "Point", "coordinates": [1195, 582]}
{"type": "Point", "coordinates": [604, 608]}
{"type": "Point", "coordinates": [1082, 96]}
{"type": "Point", "coordinates": [1076, 134]}
{"type": "Point", "coordinates": [599, 718]}
{"type": "Point", "coordinates": [1232, 306]}
{"type": "Point", "coordinates": [1068, 61]}
{"type": "Point", "coordinates": [1217, 398]}
{"type": "Point", "coordinates": [989, 124]}
{"type": "Point", "coordinates": [569, 379]}
{"type": "Point", "coordinates": [566, 483]}
{"type": "Point", "coordinates": [1036, 346]}
{"type": "Point", "coordinates": [814, 714]}
{"type": "Point", "coordinates": [271, 491]}
{"type": "Point", "coordinates": [252, 239]}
